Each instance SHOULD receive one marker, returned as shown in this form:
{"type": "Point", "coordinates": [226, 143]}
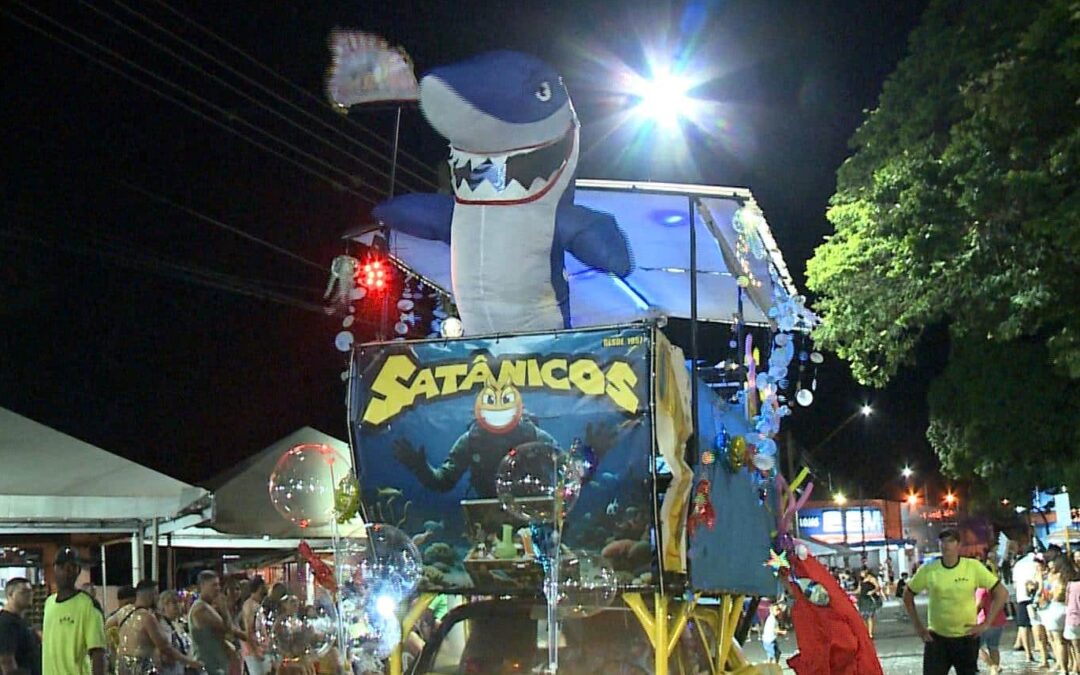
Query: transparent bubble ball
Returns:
{"type": "Point", "coordinates": [538, 482]}
{"type": "Point", "coordinates": [302, 484]}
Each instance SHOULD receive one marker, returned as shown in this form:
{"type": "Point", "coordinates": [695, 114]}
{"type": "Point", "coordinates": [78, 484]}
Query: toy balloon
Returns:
{"type": "Point", "coordinates": [302, 484]}
{"type": "Point", "coordinates": [304, 630]}
{"type": "Point", "coordinates": [384, 558]}
{"type": "Point", "coordinates": [346, 499]}
{"type": "Point", "coordinates": [590, 587]}
{"type": "Point", "coordinates": [737, 453]}
{"type": "Point", "coordinates": [805, 397]}
{"type": "Point", "coordinates": [538, 482]}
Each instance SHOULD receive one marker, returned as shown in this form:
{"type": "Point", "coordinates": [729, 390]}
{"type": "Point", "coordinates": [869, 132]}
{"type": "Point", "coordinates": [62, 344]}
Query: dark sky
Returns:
{"type": "Point", "coordinates": [129, 323]}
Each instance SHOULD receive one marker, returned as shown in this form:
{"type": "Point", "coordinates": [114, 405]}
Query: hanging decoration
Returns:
{"type": "Point", "coordinates": [324, 575]}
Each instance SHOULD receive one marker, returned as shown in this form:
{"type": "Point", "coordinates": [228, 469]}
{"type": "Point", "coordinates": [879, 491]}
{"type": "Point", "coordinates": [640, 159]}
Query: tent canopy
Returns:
{"type": "Point", "coordinates": [655, 218]}
{"type": "Point", "coordinates": [242, 503]}
{"type": "Point", "coordinates": [52, 482]}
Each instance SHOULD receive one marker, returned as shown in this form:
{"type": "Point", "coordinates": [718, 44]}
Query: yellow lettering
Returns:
{"type": "Point", "coordinates": [424, 384]}
{"type": "Point", "coordinates": [620, 386]}
{"type": "Point", "coordinates": [388, 390]}
{"type": "Point", "coordinates": [535, 380]}
{"type": "Point", "coordinates": [547, 372]}
{"type": "Point", "coordinates": [449, 376]}
{"type": "Point", "coordinates": [587, 377]}
{"type": "Point", "coordinates": [479, 374]}
{"type": "Point", "coordinates": [512, 372]}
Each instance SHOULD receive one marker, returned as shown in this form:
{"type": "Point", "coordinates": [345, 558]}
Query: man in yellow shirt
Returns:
{"type": "Point", "coordinates": [73, 631]}
{"type": "Point", "coordinates": [952, 637]}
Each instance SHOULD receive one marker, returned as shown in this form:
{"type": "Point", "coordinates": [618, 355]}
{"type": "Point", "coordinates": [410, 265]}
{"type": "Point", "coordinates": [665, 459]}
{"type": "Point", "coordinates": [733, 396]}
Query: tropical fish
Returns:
{"type": "Point", "coordinates": [612, 507]}
{"type": "Point", "coordinates": [434, 525]}
{"type": "Point", "coordinates": [389, 492]}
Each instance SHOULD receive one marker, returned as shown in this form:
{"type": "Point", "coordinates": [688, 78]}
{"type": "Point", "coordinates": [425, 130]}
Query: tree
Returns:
{"type": "Point", "coordinates": [959, 206]}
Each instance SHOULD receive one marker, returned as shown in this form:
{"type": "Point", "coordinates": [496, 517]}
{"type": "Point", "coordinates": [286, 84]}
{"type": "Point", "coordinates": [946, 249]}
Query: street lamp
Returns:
{"type": "Point", "coordinates": [950, 499]}
{"type": "Point", "coordinates": [906, 472]}
{"type": "Point", "coordinates": [912, 500]}
{"type": "Point", "coordinates": [840, 499]}
{"type": "Point", "coordinates": [866, 410]}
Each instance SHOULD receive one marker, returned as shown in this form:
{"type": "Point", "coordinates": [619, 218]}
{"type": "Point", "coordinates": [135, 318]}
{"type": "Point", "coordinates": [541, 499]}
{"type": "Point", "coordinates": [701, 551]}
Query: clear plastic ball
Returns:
{"type": "Point", "coordinates": [538, 482]}
{"type": "Point", "coordinates": [384, 557]}
{"type": "Point", "coordinates": [590, 586]}
{"type": "Point", "coordinates": [304, 630]}
{"type": "Point", "coordinates": [302, 484]}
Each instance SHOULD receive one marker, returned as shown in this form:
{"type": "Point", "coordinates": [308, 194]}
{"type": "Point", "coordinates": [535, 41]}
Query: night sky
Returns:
{"type": "Point", "coordinates": [152, 332]}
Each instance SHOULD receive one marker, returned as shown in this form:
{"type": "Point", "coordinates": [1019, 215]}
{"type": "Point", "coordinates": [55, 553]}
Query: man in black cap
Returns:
{"type": "Point", "coordinates": [952, 636]}
{"type": "Point", "coordinates": [73, 631]}
{"type": "Point", "coordinates": [20, 650]}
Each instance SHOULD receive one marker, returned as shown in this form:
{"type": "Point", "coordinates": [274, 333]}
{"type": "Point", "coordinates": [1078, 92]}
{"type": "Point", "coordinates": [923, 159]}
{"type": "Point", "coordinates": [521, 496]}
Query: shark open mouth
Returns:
{"type": "Point", "coordinates": [509, 178]}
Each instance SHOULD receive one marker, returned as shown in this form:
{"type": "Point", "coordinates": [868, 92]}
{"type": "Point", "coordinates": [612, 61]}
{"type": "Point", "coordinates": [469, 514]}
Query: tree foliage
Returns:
{"type": "Point", "coordinates": [959, 206]}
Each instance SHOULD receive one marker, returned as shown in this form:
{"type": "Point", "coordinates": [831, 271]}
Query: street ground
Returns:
{"type": "Point", "coordinates": [899, 649]}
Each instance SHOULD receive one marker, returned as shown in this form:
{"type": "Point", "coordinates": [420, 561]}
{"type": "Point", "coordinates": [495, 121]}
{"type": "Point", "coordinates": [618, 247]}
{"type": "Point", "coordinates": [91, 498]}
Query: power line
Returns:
{"type": "Point", "coordinates": [184, 105]}
{"type": "Point", "coordinates": [179, 57]}
{"type": "Point", "coordinates": [217, 223]}
{"type": "Point", "coordinates": [278, 76]}
{"type": "Point", "coordinates": [179, 272]}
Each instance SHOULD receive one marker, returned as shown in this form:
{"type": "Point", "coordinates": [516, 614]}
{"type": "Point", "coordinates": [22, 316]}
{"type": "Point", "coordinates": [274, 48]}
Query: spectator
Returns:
{"type": "Point", "coordinates": [990, 641]}
{"type": "Point", "coordinates": [209, 630]}
{"type": "Point", "coordinates": [73, 632]}
{"type": "Point", "coordinates": [255, 658]}
{"type": "Point", "coordinates": [172, 625]}
{"type": "Point", "coordinates": [20, 650]}
{"type": "Point", "coordinates": [143, 644]}
{"type": "Point", "coordinates": [770, 633]}
{"type": "Point", "coordinates": [1023, 572]}
{"type": "Point", "coordinates": [869, 599]}
{"type": "Point", "coordinates": [952, 636]}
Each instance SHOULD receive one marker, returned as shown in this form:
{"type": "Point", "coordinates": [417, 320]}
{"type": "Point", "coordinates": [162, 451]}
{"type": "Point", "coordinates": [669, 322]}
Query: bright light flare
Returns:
{"type": "Point", "coordinates": [386, 605]}
{"type": "Point", "coordinates": [906, 472]}
{"type": "Point", "coordinates": [912, 499]}
{"type": "Point", "coordinates": [950, 499]}
{"type": "Point", "coordinates": [866, 410]}
{"type": "Point", "coordinates": [840, 498]}
{"type": "Point", "coordinates": [664, 98]}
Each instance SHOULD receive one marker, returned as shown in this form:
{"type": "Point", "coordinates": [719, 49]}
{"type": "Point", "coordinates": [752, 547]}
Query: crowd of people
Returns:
{"type": "Point", "coordinates": [1048, 607]}
{"type": "Point", "coordinates": [218, 629]}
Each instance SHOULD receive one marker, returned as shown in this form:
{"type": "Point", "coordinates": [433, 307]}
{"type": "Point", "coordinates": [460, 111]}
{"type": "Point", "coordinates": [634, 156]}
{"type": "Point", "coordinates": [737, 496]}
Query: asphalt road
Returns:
{"type": "Point", "coordinates": [899, 649]}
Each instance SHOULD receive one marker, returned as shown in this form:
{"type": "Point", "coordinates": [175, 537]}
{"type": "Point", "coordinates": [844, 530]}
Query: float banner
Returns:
{"type": "Point", "coordinates": [432, 420]}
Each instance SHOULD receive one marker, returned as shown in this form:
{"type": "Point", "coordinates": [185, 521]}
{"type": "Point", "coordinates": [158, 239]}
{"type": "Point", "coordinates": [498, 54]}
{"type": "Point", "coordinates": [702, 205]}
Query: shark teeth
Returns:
{"type": "Point", "coordinates": [510, 176]}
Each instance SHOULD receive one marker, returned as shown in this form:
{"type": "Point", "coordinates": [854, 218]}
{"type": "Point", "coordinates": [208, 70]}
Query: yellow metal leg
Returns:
{"type": "Point", "coordinates": [663, 632]}
{"type": "Point", "coordinates": [407, 622]}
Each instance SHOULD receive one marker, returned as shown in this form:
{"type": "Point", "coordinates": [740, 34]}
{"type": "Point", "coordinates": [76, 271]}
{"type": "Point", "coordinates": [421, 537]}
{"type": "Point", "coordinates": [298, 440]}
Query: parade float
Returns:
{"type": "Point", "coordinates": [541, 448]}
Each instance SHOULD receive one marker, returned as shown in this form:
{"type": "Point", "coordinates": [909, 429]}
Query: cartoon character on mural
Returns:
{"type": "Point", "coordinates": [500, 423]}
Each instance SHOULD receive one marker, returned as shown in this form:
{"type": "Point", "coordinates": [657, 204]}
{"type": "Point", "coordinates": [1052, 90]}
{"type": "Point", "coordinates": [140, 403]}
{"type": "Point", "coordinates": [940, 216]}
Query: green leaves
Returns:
{"type": "Point", "coordinates": [960, 206]}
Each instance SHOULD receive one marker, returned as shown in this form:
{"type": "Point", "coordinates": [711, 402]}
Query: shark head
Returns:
{"type": "Point", "coordinates": [512, 129]}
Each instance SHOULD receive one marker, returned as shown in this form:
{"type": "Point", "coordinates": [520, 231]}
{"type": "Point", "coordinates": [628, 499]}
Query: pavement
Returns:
{"type": "Point", "coordinates": [899, 649]}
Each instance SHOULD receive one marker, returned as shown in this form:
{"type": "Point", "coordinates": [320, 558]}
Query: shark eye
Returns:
{"type": "Point", "coordinates": [543, 92]}
{"type": "Point", "coordinates": [508, 397]}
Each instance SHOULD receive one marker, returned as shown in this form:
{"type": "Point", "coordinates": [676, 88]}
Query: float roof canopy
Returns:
{"type": "Point", "coordinates": [655, 218]}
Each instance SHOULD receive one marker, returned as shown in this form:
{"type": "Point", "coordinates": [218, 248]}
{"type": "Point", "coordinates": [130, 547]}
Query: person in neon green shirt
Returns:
{"type": "Point", "coordinates": [952, 636]}
{"type": "Point", "coordinates": [73, 631]}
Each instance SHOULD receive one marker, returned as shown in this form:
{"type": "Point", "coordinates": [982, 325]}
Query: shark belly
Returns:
{"type": "Point", "coordinates": [501, 267]}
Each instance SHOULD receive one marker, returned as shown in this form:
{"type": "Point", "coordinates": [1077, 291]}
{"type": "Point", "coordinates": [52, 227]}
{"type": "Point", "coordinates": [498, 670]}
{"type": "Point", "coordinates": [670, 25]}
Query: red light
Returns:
{"type": "Point", "coordinates": [373, 274]}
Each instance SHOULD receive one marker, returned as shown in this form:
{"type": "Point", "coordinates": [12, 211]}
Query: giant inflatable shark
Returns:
{"type": "Point", "coordinates": [514, 149]}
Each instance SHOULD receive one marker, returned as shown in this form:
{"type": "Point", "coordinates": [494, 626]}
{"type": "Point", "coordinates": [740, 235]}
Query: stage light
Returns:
{"type": "Point", "coordinates": [664, 99]}
{"type": "Point", "coordinates": [374, 274]}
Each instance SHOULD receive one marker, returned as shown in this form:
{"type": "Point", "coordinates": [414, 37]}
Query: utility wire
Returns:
{"type": "Point", "coordinates": [166, 269]}
{"type": "Point", "coordinates": [305, 92]}
{"type": "Point", "coordinates": [321, 102]}
{"type": "Point", "coordinates": [217, 223]}
{"type": "Point", "coordinates": [261, 103]}
{"type": "Point", "coordinates": [334, 182]}
{"type": "Point", "coordinates": [124, 246]}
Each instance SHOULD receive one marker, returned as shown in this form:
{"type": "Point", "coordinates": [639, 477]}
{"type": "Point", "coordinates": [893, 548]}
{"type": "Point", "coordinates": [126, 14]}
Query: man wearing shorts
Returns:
{"type": "Point", "coordinates": [952, 635]}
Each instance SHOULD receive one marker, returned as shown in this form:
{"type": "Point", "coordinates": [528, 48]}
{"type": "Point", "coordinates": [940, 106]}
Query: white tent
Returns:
{"type": "Point", "coordinates": [242, 505]}
{"type": "Point", "coordinates": [52, 482]}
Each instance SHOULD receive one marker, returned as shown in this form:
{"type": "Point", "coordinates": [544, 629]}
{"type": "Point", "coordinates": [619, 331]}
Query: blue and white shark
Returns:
{"type": "Point", "coordinates": [514, 149]}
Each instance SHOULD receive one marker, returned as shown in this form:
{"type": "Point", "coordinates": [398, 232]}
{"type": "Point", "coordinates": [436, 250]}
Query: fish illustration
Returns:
{"type": "Point", "coordinates": [390, 493]}
{"type": "Point", "coordinates": [612, 507]}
